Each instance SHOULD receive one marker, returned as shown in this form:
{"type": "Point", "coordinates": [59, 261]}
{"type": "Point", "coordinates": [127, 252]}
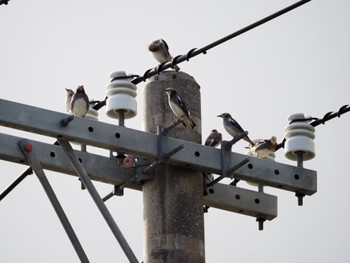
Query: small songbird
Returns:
{"type": "Point", "coordinates": [80, 102]}
{"type": "Point", "coordinates": [263, 148]}
{"type": "Point", "coordinates": [70, 94]}
{"type": "Point", "coordinates": [233, 128]}
{"type": "Point", "coordinates": [213, 139]}
{"type": "Point", "coordinates": [178, 106]}
{"type": "Point", "coordinates": [160, 51]}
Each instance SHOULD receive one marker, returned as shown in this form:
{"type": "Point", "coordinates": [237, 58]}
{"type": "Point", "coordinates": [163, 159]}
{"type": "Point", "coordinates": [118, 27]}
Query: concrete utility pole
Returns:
{"type": "Point", "coordinates": [173, 199]}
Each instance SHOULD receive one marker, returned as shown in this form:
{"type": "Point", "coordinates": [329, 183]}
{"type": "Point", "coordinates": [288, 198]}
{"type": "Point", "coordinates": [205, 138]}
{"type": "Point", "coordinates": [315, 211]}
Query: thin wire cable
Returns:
{"type": "Point", "coordinates": [194, 52]}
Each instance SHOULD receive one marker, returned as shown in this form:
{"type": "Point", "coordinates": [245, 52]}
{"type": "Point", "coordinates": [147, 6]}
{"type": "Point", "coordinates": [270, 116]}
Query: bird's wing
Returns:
{"type": "Point", "coordinates": [183, 105]}
{"type": "Point", "coordinates": [165, 44]}
{"type": "Point", "coordinates": [234, 123]}
{"type": "Point", "coordinates": [209, 141]}
{"type": "Point", "coordinates": [262, 145]}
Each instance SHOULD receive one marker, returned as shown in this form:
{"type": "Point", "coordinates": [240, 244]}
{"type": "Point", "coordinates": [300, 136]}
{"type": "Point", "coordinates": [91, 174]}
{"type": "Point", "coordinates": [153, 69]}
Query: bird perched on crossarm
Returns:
{"type": "Point", "coordinates": [233, 128]}
{"type": "Point", "coordinates": [213, 139]}
{"type": "Point", "coordinates": [178, 106]}
{"type": "Point", "coordinates": [263, 148]}
{"type": "Point", "coordinates": [69, 97]}
{"type": "Point", "coordinates": [160, 51]}
{"type": "Point", "coordinates": [79, 105]}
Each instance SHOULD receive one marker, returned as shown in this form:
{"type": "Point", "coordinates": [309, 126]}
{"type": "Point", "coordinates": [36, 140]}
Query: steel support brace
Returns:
{"type": "Point", "coordinates": [36, 166]}
{"type": "Point", "coordinates": [97, 199]}
{"type": "Point", "coordinates": [16, 182]}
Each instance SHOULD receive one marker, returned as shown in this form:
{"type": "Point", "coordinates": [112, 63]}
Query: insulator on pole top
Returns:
{"type": "Point", "coordinates": [121, 93]}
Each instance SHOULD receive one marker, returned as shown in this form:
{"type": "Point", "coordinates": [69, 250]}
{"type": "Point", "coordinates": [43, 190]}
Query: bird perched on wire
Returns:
{"type": "Point", "coordinates": [213, 139]}
{"type": "Point", "coordinates": [70, 94]}
{"type": "Point", "coordinates": [233, 128]}
{"type": "Point", "coordinates": [178, 106]}
{"type": "Point", "coordinates": [265, 147]}
{"type": "Point", "coordinates": [79, 105]}
{"type": "Point", "coordinates": [160, 51]}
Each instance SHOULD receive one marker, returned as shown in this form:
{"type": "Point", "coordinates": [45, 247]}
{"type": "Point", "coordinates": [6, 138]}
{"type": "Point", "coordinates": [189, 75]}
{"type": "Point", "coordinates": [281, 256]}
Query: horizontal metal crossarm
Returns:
{"type": "Point", "coordinates": [242, 201]}
{"type": "Point", "coordinates": [118, 138]}
{"type": "Point", "coordinates": [53, 158]}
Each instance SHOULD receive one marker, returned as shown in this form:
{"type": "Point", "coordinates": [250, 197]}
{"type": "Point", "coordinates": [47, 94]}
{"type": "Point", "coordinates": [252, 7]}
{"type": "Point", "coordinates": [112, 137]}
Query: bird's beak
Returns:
{"type": "Point", "coordinates": [219, 115]}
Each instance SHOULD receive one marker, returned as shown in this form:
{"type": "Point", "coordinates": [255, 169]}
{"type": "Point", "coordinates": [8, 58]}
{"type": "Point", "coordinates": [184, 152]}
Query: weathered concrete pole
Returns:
{"type": "Point", "coordinates": [173, 199]}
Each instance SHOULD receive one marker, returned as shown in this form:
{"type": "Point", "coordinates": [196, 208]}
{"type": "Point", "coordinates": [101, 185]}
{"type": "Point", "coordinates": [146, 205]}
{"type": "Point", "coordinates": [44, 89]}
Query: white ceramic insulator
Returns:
{"type": "Point", "coordinates": [92, 114]}
{"type": "Point", "coordinates": [299, 137]}
{"type": "Point", "coordinates": [121, 95]}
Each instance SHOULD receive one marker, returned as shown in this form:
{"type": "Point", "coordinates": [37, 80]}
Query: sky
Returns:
{"type": "Point", "coordinates": [297, 63]}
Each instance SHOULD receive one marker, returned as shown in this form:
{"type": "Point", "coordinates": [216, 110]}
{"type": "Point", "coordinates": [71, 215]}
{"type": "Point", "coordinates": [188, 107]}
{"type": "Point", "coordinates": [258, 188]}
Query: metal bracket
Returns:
{"type": "Point", "coordinates": [163, 156]}
{"type": "Point", "coordinates": [227, 170]}
{"type": "Point", "coordinates": [26, 149]}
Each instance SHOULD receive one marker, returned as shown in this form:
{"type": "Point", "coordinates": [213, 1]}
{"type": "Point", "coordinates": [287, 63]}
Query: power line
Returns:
{"type": "Point", "coordinates": [194, 52]}
{"type": "Point", "coordinates": [136, 79]}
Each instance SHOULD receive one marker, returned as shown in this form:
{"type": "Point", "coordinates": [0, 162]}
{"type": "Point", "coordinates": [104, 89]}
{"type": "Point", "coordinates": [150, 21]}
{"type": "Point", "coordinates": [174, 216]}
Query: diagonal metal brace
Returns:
{"type": "Point", "coordinates": [26, 148]}
{"type": "Point", "coordinates": [226, 148]}
{"type": "Point", "coordinates": [228, 172]}
{"type": "Point", "coordinates": [228, 145]}
{"type": "Point", "coordinates": [67, 148]}
{"type": "Point", "coordinates": [16, 182]}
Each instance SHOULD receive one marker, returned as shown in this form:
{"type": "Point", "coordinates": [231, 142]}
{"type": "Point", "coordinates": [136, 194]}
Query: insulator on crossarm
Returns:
{"type": "Point", "coordinates": [121, 93]}
{"type": "Point", "coordinates": [299, 135]}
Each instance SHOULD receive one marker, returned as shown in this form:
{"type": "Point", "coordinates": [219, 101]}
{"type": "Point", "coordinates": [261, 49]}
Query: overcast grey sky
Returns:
{"type": "Point", "coordinates": [296, 63]}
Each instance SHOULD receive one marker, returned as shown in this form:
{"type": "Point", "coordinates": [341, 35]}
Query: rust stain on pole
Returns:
{"type": "Point", "coordinates": [173, 199]}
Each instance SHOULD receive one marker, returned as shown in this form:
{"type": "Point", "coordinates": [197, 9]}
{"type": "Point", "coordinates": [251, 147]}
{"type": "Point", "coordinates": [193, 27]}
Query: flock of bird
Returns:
{"type": "Point", "coordinates": [77, 104]}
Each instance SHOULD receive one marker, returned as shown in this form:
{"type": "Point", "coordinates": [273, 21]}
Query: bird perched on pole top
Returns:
{"type": "Point", "coordinates": [178, 106]}
{"type": "Point", "coordinates": [233, 128]}
{"type": "Point", "coordinates": [79, 105]}
{"type": "Point", "coordinates": [160, 51]}
{"type": "Point", "coordinates": [213, 139]}
{"type": "Point", "coordinates": [265, 147]}
{"type": "Point", "coordinates": [70, 94]}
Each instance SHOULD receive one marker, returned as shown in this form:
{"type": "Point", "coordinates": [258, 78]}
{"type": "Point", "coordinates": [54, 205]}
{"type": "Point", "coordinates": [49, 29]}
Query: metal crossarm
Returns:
{"type": "Point", "coordinates": [144, 144]}
{"type": "Point", "coordinates": [53, 158]}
